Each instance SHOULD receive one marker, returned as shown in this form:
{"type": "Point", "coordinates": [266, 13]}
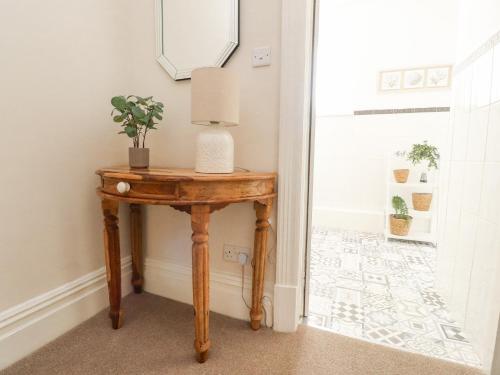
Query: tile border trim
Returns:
{"type": "Point", "coordinates": [396, 111]}
{"type": "Point", "coordinates": [480, 51]}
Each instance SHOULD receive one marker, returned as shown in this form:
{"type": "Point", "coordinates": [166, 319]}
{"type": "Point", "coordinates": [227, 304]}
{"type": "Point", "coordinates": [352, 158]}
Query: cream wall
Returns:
{"type": "Point", "coordinates": [469, 258]}
{"type": "Point", "coordinates": [60, 63]}
{"type": "Point", "coordinates": [168, 231]}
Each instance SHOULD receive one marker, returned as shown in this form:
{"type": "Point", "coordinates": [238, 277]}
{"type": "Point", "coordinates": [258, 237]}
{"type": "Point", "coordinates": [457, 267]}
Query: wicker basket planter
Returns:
{"type": "Point", "coordinates": [421, 201]}
{"type": "Point", "coordinates": [400, 227]}
{"type": "Point", "coordinates": [401, 175]}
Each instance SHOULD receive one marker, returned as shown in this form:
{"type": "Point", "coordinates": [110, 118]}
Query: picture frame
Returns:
{"type": "Point", "coordinates": [439, 76]}
{"type": "Point", "coordinates": [414, 78]}
{"type": "Point", "coordinates": [390, 80]}
{"type": "Point", "coordinates": [418, 78]}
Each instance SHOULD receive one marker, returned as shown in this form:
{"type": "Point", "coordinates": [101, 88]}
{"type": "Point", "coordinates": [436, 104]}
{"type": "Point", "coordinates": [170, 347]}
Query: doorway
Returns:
{"type": "Point", "coordinates": [382, 106]}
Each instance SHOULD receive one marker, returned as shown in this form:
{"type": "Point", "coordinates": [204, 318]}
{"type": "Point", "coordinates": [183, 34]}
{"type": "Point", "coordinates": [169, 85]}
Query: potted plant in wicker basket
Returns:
{"type": "Point", "coordinates": [400, 174]}
{"type": "Point", "coordinates": [137, 116]}
{"type": "Point", "coordinates": [423, 153]}
{"type": "Point", "coordinates": [400, 221]}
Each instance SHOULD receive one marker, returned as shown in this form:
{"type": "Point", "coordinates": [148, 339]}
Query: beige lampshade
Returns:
{"type": "Point", "coordinates": [215, 97]}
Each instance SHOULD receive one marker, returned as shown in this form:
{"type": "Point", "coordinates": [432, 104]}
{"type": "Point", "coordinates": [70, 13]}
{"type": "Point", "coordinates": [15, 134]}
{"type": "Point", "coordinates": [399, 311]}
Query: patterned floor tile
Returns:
{"type": "Point", "coordinates": [365, 287]}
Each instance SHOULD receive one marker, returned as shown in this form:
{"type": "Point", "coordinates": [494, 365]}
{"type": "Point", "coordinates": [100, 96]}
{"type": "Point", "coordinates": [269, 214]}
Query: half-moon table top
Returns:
{"type": "Point", "coordinates": [181, 186]}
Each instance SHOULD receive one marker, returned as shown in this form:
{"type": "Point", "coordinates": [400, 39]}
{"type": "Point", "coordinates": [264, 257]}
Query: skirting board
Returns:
{"type": "Point", "coordinates": [171, 280]}
{"type": "Point", "coordinates": [285, 297]}
{"type": "Point", "coordinates": [358, 220]}
{"type": "Point", "coordinates": [32, 324]}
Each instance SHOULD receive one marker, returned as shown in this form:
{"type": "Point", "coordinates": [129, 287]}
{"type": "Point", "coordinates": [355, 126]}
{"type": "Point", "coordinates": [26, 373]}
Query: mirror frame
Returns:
{"type": "Point", "coordinates": [222, 58]}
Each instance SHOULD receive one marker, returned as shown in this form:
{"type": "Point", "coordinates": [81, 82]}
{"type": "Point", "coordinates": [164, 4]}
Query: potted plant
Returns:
{"type": "Point", "coordinates": [136, 116]}
{"type": "Point", "coordinates": [419, 154]}
{"type": "Point", "coordinates": [400, 221]}
{"type": "Point", "coordinates": [424, 152]}
{"type": "Point", "coordinates": [400, 174]}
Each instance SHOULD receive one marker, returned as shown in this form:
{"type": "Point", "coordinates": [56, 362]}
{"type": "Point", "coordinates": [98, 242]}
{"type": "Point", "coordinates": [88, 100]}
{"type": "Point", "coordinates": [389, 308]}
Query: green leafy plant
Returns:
{"type": "Point", "coordinates": [136, 116]}
{"type": "Point", "coordinates": [424, 151]}
{"type": "Point", "coordinates": [400, 208]}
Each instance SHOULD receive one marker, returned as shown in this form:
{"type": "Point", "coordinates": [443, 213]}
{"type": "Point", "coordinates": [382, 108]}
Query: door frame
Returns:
{"type": "Point", "coordinates": [312, 137]}
{"type": "Point", "coordinates": [297, 32]}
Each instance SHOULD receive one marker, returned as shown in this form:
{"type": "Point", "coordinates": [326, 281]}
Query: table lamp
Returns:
{"type": "Point", "coordinates": [215, 102]}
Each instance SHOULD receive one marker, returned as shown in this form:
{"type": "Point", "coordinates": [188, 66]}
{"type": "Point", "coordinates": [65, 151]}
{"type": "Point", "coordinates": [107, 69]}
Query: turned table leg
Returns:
{"type": "Point", "coordinates": [136, 244]}
{"type": "Point", "coordinates": [263, 210]}
{"type": "Point", "coordinates": [112, 256]}
{"type": "Point", "coordinates": [200, 215]}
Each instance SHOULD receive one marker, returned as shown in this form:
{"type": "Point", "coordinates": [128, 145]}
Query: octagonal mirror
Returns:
{"type": "Point", "coordinates": [193, 34]}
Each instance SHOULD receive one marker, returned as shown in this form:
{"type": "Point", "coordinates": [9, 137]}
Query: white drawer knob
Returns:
{"type": "Point", "coordinates": [123, 187]}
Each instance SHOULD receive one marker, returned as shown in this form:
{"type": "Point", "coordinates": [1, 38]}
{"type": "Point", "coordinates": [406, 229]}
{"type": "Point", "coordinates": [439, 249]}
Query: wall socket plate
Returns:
{"type": "Point", "coordinates": [232, 253]}
{"type": "Point", "coordinates": [261, 56]}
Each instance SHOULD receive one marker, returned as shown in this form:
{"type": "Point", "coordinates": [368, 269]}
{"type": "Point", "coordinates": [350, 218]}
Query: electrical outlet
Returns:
{"type": "Point", "coordinates": [232, 253]}
{"type": "Point", "coordinates": [261, 56]}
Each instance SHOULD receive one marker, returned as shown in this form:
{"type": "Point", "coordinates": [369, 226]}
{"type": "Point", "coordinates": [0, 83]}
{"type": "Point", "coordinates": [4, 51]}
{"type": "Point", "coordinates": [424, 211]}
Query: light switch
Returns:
{"type": "Point", "coordinates": [261, 56]}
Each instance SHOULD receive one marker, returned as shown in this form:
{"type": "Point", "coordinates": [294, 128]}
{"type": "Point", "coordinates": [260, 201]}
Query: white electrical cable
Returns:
{"type": "Point", "coordinates": [243, 286]}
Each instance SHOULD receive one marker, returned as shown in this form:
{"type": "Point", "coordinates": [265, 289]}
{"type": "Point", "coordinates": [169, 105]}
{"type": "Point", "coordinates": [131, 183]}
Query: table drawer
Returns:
{"type": "Point", "coordinates": [142, 189]}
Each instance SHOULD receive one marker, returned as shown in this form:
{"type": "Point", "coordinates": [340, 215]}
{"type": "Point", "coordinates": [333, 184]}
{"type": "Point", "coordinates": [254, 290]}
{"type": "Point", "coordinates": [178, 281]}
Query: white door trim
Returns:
{"type": "Point", "coordinates": [296, 64]}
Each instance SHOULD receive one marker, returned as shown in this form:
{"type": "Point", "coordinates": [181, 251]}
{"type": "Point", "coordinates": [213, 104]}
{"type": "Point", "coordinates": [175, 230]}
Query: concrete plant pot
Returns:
{"type": "Point", "coordinates": [138, 157]}
{"type": "Point", "coordinates": [400, 227]}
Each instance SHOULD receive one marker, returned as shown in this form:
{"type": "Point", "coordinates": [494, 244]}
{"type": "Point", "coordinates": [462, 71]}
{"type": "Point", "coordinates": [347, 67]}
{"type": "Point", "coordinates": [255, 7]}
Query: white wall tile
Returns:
{"type": "Point", "coordinates": [350, 154]}
{"type": "Point", "coordinates": [475, 285]}
{"type": "Point", "coordinates": [463, 262]}
{"type": "Point", "coordinates": [495, 89]}
{"type": "Point", "coordinates": [465, 89]}
{"type": "Point", "coordinates": [478, 129]}
{"type": "Point", "coordinates": [460, 133]}
{"type": "Point", "coordinates": [490, 194]}
{"type": "Point", "coordinates": [481, 88]}
{"type": "Point", "coordinates": [471, 194]}
{"type": "Point", "coordinates": [482, 286]}
{"type": "Point", "coordinates": [493, 140]}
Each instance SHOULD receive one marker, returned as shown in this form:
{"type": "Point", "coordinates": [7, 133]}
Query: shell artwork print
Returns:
{"type": "Point", "coordinates": [414, 79]}
{"type": "Point", "coordinates": [390, 80]}
{"type": "Point", "coordinates": [438, 77]}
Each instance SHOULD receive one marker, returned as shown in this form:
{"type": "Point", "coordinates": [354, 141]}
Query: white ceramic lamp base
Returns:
{"type": "Point", "coordinates": [214, 151]}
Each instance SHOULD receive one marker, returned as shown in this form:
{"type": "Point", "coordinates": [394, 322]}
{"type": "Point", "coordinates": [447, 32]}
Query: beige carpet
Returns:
{"type": "Point", "coordinates": [157, 338]}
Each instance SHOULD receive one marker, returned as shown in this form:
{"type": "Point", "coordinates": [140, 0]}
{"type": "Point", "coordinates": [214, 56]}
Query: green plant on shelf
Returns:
{"type": "Point", "coordinates": [424, 152]}
{"type": "Point", "coordinates": [400, 208]}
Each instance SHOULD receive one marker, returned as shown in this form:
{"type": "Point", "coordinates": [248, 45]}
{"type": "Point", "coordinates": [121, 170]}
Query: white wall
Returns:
{"type": "Point", "coordinates": [350, 165]}
{"type": "Point", "coordinates": [357, 40]}
{"type": "Point", "coordinates": [360, 38]}
{"type": "Point", "coordinates": [469, 258]}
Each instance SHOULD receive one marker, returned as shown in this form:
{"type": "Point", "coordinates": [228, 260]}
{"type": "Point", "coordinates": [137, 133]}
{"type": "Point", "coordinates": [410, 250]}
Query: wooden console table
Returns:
{"type": "Point", "coordinates": [198, 195]}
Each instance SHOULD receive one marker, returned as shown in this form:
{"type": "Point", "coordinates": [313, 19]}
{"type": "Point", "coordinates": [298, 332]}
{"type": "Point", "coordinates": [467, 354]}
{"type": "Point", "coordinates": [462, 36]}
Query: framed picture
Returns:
{"type": "Point", "coordinates": [390, 80]}
{"type": "Point", "coordinates": [414, 79]}
{"type": "Point", "coordinates": [430, 77]}
{"type": "Point", "coordinates": [438, 76]}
